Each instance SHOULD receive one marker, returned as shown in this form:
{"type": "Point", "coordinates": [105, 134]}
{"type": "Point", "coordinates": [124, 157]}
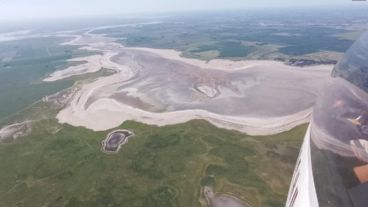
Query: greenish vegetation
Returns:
{"type": "Point", "coordinates": [225, 35]}
{"type": "Point", "coordinates": [349, 35]}
{"type": "Point", "coordinates": [60, 165]}
{"type": "Point", "coordinates": [23, 65]}
{"type": "Point", "coordinates": [226, 49]}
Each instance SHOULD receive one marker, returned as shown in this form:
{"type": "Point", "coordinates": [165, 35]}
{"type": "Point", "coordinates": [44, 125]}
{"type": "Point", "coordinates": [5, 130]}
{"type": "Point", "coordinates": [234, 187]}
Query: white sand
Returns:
{"type": "Point", "coordinates": [15, 130]}
{"type": "Point", "coordinates": [227, 65]}
{"type": "Point", "coordinates": [93, 64]}
{"type": "Point", "coordinates": [216, 200]}
{"type": "Point", "coordinates": [105, 112]}
{"type": "Point", "coordinates": [17, 35]}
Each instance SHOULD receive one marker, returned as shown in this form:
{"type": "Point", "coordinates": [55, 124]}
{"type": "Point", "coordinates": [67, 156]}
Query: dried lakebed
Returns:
{"type": "Point", "coordinates": [12, 132]}
{"type": "Point", "coordinates": [115, 140]}
{"type": "Point", "coordinates": [160, 87]}
{"type": "Point", "coordinates": [222, 200]}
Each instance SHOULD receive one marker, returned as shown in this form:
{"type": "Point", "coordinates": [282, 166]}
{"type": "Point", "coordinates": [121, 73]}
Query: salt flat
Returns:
{"type": "Point", "coordinates": [160, 87]}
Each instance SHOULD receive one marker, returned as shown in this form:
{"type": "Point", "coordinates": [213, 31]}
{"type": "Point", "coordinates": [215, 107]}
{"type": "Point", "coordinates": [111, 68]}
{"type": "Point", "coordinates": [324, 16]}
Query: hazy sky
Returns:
{"type": "Point", "coordinates": [30, 9]}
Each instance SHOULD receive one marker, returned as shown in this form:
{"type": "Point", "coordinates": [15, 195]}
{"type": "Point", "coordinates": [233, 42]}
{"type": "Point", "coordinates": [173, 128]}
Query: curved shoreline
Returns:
{"type": "Point", "coordinates": [222, 200]}
{"type": "Point", "coordinates": [118, 113]}
{"type": "Point", "coordinates": [122, 142]}
{"type": "Point", "coordinates": [105, 112]}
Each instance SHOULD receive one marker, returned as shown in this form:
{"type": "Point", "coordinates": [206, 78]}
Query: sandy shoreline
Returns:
{"type": "Point", "coordinates": [224, 64]}
{"type": "Point", "coordinates": [108, 113]}
{"type": "Point", "coordinates": [13, 131]}
{"type": "Point", "coordinates": [95, 107]}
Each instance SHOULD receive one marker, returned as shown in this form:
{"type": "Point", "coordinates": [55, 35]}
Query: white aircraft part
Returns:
{"type": "Point", "coordinates": [302, 192]}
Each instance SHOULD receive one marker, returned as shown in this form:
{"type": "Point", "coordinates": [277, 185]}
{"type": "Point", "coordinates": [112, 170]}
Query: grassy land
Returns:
{"type": "Point", "coordinates": [23, 65]}
{"type": "Point", "coordinates": [159, 167]}
{"type": "Point", "coordinates": [285, 35]}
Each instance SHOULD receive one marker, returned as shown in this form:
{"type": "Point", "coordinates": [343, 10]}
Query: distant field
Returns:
{"type": "Point", "coordinates": [204, 36]}
{"type": "Point", "coordinates": [284, 35]}
{"type": "Point", "coordinates": [159, 167]}
{"type": "Point", "coordinates": [23, 65]}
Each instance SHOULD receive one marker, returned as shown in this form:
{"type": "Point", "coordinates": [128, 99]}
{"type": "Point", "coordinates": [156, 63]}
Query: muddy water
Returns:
{"type": "Point", "coordinates": [115, 140]}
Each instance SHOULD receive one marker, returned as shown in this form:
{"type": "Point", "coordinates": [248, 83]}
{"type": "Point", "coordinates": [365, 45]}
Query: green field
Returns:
{"type": "Point", "coordinates": [59, 165]}
{"type": "Point", "coordinates": [23, 65]}
{"type": "Point", "coordinates": [226, 35]}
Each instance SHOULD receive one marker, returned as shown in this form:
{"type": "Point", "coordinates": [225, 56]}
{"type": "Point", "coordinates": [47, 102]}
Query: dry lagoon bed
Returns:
{"type": "Point", "coordinates": [160, 87]}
